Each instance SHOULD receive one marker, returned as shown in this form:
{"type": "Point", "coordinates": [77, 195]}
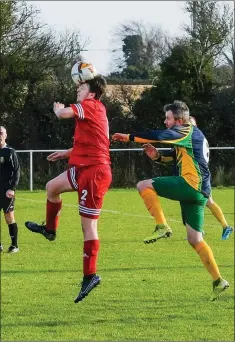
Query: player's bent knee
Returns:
{"type": "Point", "coordinates": [142, 185]}
{"type": "Point", "coordinates": [51, 188]}
{"type": "Point", "coordinates": [138, 186]}
{"type": "Point", "coordinates": [193, 236]}
{"type": "Point", "coordinates": [194, 240]}
{"type": "Point", "coordinates": [48, 186]}
{"type": "Point", "coordinates": [191, 241]}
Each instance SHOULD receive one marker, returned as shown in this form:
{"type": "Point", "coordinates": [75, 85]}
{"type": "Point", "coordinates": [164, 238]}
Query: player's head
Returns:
{"type": "Point", "coordinates": [3, 135]}
{"type": "Point", "coordinates": [192, 120]}
{"type": "Point", "coordinates": [92, 89]}
{"type": "Point", "coordinates": [176, 113]}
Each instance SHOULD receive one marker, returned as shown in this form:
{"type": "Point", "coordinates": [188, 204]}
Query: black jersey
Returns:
{"type": "Point", "coordinates": [9, 168]}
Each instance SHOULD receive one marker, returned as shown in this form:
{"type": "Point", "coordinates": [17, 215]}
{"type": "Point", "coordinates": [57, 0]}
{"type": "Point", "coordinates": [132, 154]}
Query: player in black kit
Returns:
{"type": "Point", "coordinates": [9, 178]}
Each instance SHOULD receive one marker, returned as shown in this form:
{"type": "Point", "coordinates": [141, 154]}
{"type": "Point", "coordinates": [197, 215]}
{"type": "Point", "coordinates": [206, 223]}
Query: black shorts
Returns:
{"type": "Point", "coordinates": [7, 204]}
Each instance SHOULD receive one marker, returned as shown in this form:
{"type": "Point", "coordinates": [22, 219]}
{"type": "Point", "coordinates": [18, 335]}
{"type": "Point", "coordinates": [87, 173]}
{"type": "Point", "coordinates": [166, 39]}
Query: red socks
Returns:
{"type": "Point", "coordinates": [90, 256]}
{"type": "Point", "coordinates": [91, 247]}
{"type": "Point", "coordinates": [52, 215]}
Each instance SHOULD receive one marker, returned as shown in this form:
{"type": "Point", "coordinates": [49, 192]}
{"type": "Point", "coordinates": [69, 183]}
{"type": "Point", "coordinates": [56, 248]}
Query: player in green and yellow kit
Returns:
{"type": "Point", "coordinates": [170, 157]}
{"type": "Point", "coordinates": [191, 188]}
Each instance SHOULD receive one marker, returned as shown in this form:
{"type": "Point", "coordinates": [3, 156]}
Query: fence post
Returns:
{"type": "Point", "coordinates": [31, 170]}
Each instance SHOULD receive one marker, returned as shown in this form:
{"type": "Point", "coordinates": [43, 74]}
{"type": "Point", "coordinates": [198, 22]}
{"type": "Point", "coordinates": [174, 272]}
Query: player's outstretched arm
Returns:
{"type": "Point", "coordinates": [167, 136]}
{"type": "Point", "coordinates": [63, 112]}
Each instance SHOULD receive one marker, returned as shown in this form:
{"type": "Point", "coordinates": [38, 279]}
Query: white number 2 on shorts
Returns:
{"type": "Point", "coordinates": [84, 195]}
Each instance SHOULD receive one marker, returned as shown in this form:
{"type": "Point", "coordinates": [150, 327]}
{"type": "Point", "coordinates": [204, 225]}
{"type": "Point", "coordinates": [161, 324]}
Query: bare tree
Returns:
{"type": "Point", "coordinates": [22, 33]}
{"type": "Point", "coordinates": [31, 52]}
{"type": "Point", "coordinates": [211, 32]}
{"type": "Point", "coordinates": [155, 41]}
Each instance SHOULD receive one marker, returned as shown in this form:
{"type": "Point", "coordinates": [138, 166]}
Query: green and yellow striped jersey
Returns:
{"type": "Point", "coordinates": [192, 153]}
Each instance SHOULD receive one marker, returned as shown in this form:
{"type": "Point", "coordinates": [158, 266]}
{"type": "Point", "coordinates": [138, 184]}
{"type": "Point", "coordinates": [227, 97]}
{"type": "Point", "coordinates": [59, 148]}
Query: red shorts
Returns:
{"type": "Point", "coordinates": [91, 183]}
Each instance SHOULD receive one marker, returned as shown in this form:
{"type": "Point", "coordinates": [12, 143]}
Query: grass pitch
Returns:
{"type": "Point", "coordinates": [157, 292]}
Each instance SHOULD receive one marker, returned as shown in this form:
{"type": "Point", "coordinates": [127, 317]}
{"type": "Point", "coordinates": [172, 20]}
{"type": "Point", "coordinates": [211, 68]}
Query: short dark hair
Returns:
{"type": "Point", "coordinates": [179, 109]}
{"type": "Point", "coordinates": [97, 85]}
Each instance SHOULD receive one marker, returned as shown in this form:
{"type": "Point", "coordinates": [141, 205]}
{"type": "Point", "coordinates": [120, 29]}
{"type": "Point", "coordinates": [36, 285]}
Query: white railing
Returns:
{"type": "Point", "coordinates": [111, 150]}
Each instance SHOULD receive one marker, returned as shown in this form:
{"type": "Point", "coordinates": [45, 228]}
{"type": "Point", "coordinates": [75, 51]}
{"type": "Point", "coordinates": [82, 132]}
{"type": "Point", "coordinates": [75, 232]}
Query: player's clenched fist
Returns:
{"type": "Point", "coordinates": [57, 106]}
{"type": "Point", "coordinates": [151, 151]}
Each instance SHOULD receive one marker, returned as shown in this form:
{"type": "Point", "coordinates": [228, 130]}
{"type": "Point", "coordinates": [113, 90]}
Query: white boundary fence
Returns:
{"type": "Point", "coordinates": [111, 150]}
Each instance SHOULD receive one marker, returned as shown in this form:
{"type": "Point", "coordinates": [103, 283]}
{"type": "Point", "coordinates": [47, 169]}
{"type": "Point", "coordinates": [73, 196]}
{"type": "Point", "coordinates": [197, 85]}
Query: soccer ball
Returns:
{"type": "Point", "coordinates": [82, 72]}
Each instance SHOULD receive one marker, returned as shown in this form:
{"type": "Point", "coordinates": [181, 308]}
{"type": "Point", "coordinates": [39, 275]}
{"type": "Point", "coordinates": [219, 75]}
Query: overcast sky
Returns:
{"type": "Point", "coordinates": [96, 20]}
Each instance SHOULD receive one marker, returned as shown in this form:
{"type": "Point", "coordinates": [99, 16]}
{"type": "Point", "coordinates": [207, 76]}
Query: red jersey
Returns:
{"type": "Point", "coordinates": [91, 137]}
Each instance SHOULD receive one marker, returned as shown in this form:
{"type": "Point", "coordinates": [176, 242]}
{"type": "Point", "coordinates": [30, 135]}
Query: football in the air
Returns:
{"type": "Point", "coordinates": [82, 72]}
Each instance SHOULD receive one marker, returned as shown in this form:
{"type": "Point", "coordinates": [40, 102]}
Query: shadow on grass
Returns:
{"type": "Point", "coordinates": [125, 320]}
{"type": "Point", "coordinates": [120, 269]}
{"type": "Point", "coordinates": [41, 324]}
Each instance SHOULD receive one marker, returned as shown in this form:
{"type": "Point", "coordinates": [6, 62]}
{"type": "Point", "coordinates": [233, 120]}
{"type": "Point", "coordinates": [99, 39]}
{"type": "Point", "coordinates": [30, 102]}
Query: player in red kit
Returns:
{"type": "Point", "coordinates": [89, 174]}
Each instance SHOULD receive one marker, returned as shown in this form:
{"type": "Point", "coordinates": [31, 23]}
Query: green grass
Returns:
{"type": "Point", "coordinates": [157, 292]}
